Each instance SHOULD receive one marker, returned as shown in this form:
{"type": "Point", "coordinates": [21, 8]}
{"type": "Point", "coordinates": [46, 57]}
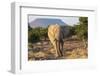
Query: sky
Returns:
{"type": "Point", "coordinates": [70, 20]}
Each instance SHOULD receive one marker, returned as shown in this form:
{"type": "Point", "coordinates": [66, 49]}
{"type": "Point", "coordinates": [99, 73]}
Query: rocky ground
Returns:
{"type": "Point", "coordinates": [73, 49]}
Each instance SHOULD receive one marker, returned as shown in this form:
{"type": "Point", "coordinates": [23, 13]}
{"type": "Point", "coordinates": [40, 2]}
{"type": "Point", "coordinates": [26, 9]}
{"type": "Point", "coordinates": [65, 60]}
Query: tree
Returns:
{"type": "Point", "coordinates": [33, 36]}
{"type": "Point", "coordinates": [37, 34]}
{"type": "Point", "coordinates": [44, 32]}
{"type": "Point", "coordinates": [81, 30]}
{"type": "Point", "coordinates": [72, 30]}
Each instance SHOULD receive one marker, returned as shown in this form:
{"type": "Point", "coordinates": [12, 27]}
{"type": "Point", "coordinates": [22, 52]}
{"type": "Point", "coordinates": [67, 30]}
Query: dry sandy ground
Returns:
{"type": "Point", "coordinates": [73, 49]}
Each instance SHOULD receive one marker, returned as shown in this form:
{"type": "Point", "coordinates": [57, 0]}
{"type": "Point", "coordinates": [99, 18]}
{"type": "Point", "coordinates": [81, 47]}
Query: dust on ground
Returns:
{"type": "Point", "coordinates": [73, 49]}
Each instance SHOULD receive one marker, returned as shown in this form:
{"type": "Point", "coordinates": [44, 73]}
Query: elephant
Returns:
{"type": "Point", "coordinates": [56, 34]}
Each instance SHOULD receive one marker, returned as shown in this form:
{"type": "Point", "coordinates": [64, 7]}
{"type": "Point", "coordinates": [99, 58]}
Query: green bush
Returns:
{"type": "Point", "coordinates": [81, 30]}
{"type": "Point", "coordinates": [33, 36]}
{"type": "Point", "coordinates": [36, 34]}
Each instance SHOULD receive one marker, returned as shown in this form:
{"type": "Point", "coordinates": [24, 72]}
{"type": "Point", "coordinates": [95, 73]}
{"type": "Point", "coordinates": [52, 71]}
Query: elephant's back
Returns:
{"type": "Point", "coordinates": [53, 30]}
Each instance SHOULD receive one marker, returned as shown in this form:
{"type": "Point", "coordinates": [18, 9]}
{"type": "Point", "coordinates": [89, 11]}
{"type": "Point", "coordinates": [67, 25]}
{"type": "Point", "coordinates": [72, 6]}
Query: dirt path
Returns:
{"type": "Point", "coordinates": [73, 49]}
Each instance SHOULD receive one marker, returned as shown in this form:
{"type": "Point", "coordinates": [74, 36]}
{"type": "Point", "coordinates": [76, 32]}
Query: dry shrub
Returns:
{"type": "Point", "coordinates": [77, 53]}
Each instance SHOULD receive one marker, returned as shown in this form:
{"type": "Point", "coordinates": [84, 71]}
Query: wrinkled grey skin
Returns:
{"type": "Point", "coordinates": [59, 41]}
{"type": "Point", "coordinates": [59, 35]}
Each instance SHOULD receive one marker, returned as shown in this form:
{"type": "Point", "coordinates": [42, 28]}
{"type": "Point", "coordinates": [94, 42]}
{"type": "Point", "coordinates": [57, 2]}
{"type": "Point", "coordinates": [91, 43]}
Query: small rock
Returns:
{"type": "Point", "coordinates": [38, 43]}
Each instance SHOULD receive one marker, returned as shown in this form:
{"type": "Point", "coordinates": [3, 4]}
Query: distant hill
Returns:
{"type": "Point", "coordinates": [44, 22]}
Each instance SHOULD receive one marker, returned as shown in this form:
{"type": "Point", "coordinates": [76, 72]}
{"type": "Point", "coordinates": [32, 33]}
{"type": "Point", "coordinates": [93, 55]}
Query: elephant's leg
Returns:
{"type": "Point", "coordinates": [61, 46]}
{"type": "Point", "coordinates": [55, 48]}
{"type": "Point", "coordinates": [54, 43]}
{"type": "Point", "coordinates": [58, 48]}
